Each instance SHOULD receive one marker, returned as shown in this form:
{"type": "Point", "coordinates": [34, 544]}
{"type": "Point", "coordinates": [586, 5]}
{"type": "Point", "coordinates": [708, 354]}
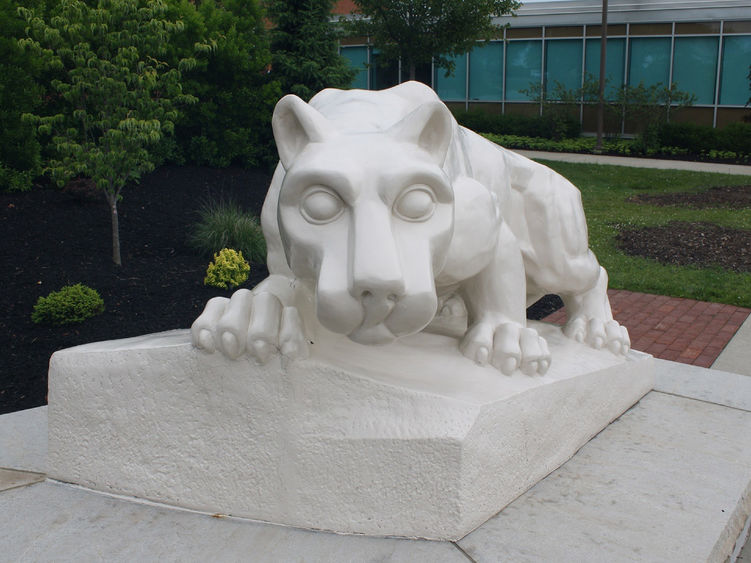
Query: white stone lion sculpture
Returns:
{"type": "Point", "coordinates": [385, 217]}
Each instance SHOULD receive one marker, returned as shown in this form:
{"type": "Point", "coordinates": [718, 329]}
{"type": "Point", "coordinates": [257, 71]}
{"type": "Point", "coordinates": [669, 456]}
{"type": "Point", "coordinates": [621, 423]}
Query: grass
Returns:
{"type": "Point", "coordinates": [223, 224]}
{"type": "Point", "coordinates": [604, 191]}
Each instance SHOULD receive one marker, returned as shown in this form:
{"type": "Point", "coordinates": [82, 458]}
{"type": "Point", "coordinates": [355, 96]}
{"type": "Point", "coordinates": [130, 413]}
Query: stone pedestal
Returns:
{"type": "Point", "coordinates": [409, 440]}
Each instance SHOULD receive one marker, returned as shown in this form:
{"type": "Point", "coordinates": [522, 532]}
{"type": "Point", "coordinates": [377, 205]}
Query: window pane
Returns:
{"type": "Point", "coordinates": [695, 66]}
{"type": "Point", "coordinates": [563, 63]}
{"type": "Point", "coordinates": [737, 27]}
{"type": "Point", "coordinates": [453, 87]}
{"type": "Point", "coordinates": [486, 72]}
{"type": "Point", "coordinates": [736, 56]}
{"type": "Point", "coordinates": [651, 29]}
{"type": "Point", "coordinates": [523, 62]}
{"type": "Point", "coordinates": [650, 61]}
{"type": "Point", "coordinates": [564, 31]}
{"type": "Point", "coordinates": [358, 59]}
{"type": "Point", "coordinates": [615, 62]}
{"type": "Point", "coordinates": [523, 32]}
{"type": "Point", "coordinates": [697, 28]}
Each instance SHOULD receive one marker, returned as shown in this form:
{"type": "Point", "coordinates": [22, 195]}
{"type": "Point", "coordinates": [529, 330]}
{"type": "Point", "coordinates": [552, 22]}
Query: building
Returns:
{"type": "Point", "coordinates": [704, 46]}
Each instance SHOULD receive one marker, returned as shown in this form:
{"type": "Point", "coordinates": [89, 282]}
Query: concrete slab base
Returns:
{"type": "Point", "coordinates": [415, 442]}
{"type": "Point", "coordinates": [668, 481]}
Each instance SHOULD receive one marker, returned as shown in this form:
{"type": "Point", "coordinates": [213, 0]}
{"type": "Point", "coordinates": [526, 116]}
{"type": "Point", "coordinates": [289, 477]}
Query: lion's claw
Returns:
{"type": "Point", "coordinates": [254, 324]}
{"type": "Point", "coordinates": [507, 347]}
{"type": "Point", "coordinates": [599, 334]}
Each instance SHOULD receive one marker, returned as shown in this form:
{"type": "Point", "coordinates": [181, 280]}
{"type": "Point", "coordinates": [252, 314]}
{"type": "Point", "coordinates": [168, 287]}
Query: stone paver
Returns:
{"type": "Point", "coordinates": [54, 522]}
{"type": "Point", "coordinates": [639, 491]}
{"type": "Point", "coordinates": [10, 478]}
{"type": "Point", "coordinates": [23, 440]}
{"type": "Point", "coordinates": [673, 328]}
{"type": "Point", "coordinates": [736, 357]}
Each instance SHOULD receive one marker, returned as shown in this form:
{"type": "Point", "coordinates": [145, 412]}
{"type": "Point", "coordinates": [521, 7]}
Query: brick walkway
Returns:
{"type": "Point", "coordinates": [671, 328]}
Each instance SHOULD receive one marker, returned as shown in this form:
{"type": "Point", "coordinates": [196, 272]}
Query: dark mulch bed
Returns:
{"type": "Point", "coordinates": [719, 196]}
{"type": "Point", "coordinates": [51, 239]}
{"type": "Point", "coordinates": [695, 244]}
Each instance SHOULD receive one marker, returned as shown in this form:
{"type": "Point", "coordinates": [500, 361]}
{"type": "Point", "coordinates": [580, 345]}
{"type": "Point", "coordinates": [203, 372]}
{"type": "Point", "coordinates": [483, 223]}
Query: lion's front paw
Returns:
{"type": "Point", "coordinates": [599, 334]}
{"type": "Point", "coordinates": [256, 324]}
{"type": "Point", "coordinates": [508, 347]}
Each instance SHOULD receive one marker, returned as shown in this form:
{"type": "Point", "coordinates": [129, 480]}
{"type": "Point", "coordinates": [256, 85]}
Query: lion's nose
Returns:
{"type": "Point", "coordinates": [376, 268]}
{"type": "Point", "coordinates": [376, 308]}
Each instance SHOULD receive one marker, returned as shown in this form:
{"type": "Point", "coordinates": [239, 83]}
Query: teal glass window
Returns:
{"type": "Point", "coordinates": [736, 57]}
{"type": "Point", "coordinates": [695, 66]}
{"type": "Point", "coordinates": [486, 72]}
{"type": "Point", "coordinates": [452, 88]}
{"type": "Point", "coordinates": [649, 61]}
{"type": "Point", "coordinates": [358, 59]}
{"type": "Point", "coordinates": [563, 64]}
{"type": "Point", "coordinates": [615, 63]}
{"type": "Point", "coordinates": [523, 67]}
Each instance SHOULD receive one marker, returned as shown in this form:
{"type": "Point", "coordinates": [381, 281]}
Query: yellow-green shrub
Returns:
{"type": "Point", "coordinates": [229, 269]}
{"type": "Point", "coordinates": [72, 304]}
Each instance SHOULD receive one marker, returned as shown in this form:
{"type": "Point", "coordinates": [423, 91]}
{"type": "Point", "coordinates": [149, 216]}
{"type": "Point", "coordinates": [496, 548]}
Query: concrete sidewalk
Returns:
{"type": "Point", "coordinates": [638, 162]}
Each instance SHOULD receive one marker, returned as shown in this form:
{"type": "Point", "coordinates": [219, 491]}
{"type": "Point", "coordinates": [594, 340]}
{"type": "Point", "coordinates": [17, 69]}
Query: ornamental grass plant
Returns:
{"type": "Point", "coordinates": [223, 224]}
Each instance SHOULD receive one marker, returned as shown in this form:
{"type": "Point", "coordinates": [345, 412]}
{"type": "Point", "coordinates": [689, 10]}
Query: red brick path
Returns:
{"type": "Point", "coordinates": [671, 328]}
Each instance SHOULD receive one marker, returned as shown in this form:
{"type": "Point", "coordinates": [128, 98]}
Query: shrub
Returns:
{"type": "Point", "coordinates": [229, 269]}
{"type": "Point", "coordinates": [695, 138]}
{"type": "Point", "coordinates": [72, 304]}
{"type": "Point", "coordinates": [735, 137]}
{"type": "Point", "coordinates": [224, 225]}
{"type": "Point", "coordinates": [521, 125]}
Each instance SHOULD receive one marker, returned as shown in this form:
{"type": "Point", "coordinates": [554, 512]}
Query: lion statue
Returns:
{"type": "Point", "coordinates": [385, 218]}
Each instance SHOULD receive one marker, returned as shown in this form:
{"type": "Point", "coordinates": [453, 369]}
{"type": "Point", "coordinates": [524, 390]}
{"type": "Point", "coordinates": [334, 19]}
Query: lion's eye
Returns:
{"type": "Point", "coordinates": [416, 204]}
{"type": "Point", "coordinates": [321, 206]}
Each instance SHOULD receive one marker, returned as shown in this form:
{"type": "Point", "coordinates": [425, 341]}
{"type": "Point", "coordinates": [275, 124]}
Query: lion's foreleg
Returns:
{"type": "Point", "coordinates": [495, 298]}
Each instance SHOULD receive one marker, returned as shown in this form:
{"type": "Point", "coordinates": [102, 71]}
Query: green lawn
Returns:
{"type": "Point", "coordinates": [604, 192]}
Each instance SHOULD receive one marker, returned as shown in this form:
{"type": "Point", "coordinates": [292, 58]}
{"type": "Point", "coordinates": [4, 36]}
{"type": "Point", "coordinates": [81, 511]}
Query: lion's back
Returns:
{"type": "Point", "coordinates": [358, 111]}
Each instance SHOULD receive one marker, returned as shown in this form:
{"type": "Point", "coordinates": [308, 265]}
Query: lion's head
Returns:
{"type": "Point", "coordinates": [367, 217]}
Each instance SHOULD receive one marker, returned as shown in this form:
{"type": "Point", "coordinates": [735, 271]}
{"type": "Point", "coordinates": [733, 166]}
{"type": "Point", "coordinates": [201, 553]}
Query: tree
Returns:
{"type": "Point", "coordinates": [230, 44]}
{"type": "Point", "coordinates": [117, 97]}
{"type": "Point", "coordinates": [19, 93]}
{"type": "Point", "coordinates": [305, 49]}
{"type": "Point", "coordinates": [421, 31]}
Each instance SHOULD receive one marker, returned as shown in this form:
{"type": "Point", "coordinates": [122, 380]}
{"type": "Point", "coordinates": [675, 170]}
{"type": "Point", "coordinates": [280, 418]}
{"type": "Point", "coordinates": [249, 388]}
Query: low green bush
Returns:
{"type": "Point", "coordinates": [224, 224]}
{"type": "Point", "coordinates": [735, 137]}
{"type": "Point", "coordinates": [581, 144]}
{"type": "Point", "coordinates": [71, 304]}
{"type": "Point", "coordinates": [229, 269]}
{"type": "Point", "coordinates": [695, 138]}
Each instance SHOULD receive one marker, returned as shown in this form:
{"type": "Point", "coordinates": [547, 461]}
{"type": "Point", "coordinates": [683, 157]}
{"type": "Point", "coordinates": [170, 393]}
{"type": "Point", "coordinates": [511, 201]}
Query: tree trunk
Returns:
{"type": "Point", "coordinates": [112, 200]}
{"type": "Point", "coordinates": [411, 71]}
{"type": "Point", "coordinates": [603, 57]}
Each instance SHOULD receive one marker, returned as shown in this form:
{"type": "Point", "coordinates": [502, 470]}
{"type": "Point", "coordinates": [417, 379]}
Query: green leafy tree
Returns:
{"type": "Point", "coordinates": [421, 31]}
{"type": "Point", "coordinates": [305, 48]}
{"type": "Point", "coordinates": [230, 44]}
{"type": "Point", "coordinates": [117, 95]}
{"type": "Point", "coordinates": [19, 93]}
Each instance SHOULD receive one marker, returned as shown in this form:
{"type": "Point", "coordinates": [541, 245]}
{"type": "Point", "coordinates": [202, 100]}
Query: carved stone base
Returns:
{"type": "Point", "coordinates": [414, 440]}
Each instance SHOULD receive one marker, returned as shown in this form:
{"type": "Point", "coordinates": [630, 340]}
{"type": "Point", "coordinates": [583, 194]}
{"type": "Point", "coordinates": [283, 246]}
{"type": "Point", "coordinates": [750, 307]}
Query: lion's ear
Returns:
{"type": "Point", "coordinates": [429, 127]}
{"type": "Point", "coordinates": [296, 124]}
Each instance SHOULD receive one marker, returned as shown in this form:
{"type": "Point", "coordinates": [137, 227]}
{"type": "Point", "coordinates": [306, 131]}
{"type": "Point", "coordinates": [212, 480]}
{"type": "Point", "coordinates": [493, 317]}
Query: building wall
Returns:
{"type": "Point", "coordinates": [703, 46]}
